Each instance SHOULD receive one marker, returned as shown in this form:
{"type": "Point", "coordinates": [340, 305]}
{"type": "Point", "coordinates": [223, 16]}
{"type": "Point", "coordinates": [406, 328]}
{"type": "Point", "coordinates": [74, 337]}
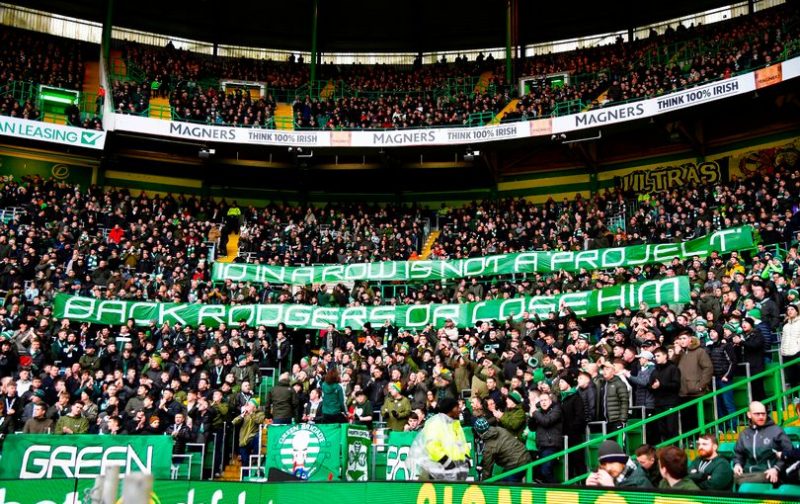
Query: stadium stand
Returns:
{"type": "Point", "coordinates": [721, 368]}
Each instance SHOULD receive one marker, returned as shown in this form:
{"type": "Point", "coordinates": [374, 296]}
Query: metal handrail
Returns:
{"type": "Point", "coordinates": [697, 403]}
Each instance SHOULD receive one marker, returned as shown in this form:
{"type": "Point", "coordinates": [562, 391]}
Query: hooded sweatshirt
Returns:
{"type": "Point", "coordinates": [755, 449]}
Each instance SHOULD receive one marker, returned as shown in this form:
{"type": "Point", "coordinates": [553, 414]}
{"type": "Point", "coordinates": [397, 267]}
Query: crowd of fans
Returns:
{"type": "Point", "coordinates": [382, 96]}
{"type": "Point", "coordinates": [657, 65]}
{"type": "Point", "coordinates": [65, 377]}
{"type": "Point", "coordinates": [546, 375]}
{"type": "Point", "coordinates": [29, 59]}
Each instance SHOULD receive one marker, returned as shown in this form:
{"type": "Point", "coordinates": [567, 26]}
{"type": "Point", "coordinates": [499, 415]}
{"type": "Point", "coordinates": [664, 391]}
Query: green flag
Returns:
{"type": "Point", "coordinates": [722, 241]}
{"type": "Point", "coordinates": [583, 304]}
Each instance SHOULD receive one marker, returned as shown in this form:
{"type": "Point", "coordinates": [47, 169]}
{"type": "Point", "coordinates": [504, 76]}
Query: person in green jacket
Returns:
{"type": "Point", "coordinates": [502, 448]}
{"type": "Point", "coordinates": [709, 470]}
{"type": "Point", "coordinates": [616, 469]}
{"type": "Point", "coordinates": [396, 409]}
{"type": "Point", "coordinates": [250, 420]}
{"type": "Point", "coordinates": [672, 461]}
{"type": "Point", "coordinates": [333, 407]}
{"type": "Point", "coordinates": [74, 423]}
{"type": "Point", "coordinates": [513, 419]}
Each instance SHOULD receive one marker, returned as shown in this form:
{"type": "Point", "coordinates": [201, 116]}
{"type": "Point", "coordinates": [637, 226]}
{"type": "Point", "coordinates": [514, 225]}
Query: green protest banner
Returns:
{"type": "Point", "coordinates": [722, 241]}
{"type": "Point", "coordinates": [307, 451]}
{"type": "Point", "coordinates": [223, 492]}
{"type": "Point", "coordinates": [584, 304]}
{"type": "Point", "coordinates": [46, 456]}
{"type": "Point", "coordinates": [358, 453]}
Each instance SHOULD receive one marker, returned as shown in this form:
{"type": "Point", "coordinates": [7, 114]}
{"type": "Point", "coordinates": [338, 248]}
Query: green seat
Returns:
{"type": "Point", "coordinates": [726, 449]}
{"type": "Point", "coordinates": [757, 488]}
{"type": "Point", "coordinates": [789, 490]}
{"type": "Point", "coordinates": [793, 432]}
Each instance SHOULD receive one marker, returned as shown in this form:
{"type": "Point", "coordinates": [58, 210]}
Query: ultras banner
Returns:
{"type": "Point", "coordinates": [584, 304]}
{"type": "Point", "coordinates": [723, 241]}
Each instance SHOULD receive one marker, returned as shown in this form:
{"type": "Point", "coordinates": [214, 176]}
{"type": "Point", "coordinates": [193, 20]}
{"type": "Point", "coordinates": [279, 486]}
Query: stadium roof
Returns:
{"type": "Point", "coordinates": [374, 26]}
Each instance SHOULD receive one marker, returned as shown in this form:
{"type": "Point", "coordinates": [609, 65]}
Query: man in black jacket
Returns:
{"type": "Point", "coordinates": [665, 382]}
{"type": "Point", "coordinates": [281, 403]}
{"type": "Point", "coordinates": [749, 346]}
{"type": "Point", "coordinates": [574, 413]}
{"type": "Point", "coordinates": [723, 358]}
{"type": "Point", "coordinates": [547, 420]}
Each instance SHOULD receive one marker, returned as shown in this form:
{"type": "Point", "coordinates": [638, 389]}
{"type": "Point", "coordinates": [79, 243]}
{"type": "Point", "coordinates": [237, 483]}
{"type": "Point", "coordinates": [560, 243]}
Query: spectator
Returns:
{"type": "Point", "coordinates": [790, 345]}
{"type": "Point", "coordinates": [750, 350]}
{"type": "Point", "coordinates": [39, 423]}
{"type": "Point", "coordinates": [502, 448]}
{"type": "Point", "coordinates": [396, 409]}
{"type": "Point", "coordinates": [616, 469]}
{"type": "Point", "coordinates": [181, 434]}
{"type": "Point", "coordinates": [513, 417]}
{"type": "Point", "coordinates": [574, 424]}
{"type": "Point", "coordinates": [723, 358]}
{"type": "Point", "coordinates": [665, 384]}
{"type": "Point", "coordinates": [444, 452]}
{"type": "Point", "coordinates": [614, 399]}
{"type": "Point", "coordinates": [672, 461]}
{"type": "Point", "coordinates": [250, 420]}
{"type": "Point", "coordinates": [74, 422]}
{"type": "Point", "coordinates": [547, 421]}
{"type": "Point", "coordinates": [282, 403]}
{"type": "Point", "coordinates": [696, 374]}
{"type": "Point", "coordinates": [362, 410]}
{"type": "Point", "coordinates": [333, 408]}
{"type": "Point", "coordinates": [647, 459]}
{"type": "Point", "coordinates": [709, 470]}
{"type": "Point", "coordinates": [757, 462]}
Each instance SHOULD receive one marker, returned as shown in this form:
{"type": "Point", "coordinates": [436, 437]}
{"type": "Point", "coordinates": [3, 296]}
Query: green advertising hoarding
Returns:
{"type": "Point", "coordinates": [584, 304]}
{"type": "Point", "coordinates": [217, 492]}
{"type": "Point", "coordinates": [723, 241]}
{"type": "Point", "coordinates": [46, 456]}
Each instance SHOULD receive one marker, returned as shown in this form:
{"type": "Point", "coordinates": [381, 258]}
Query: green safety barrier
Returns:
{"type": "Point", "coordinates": [706, 420]}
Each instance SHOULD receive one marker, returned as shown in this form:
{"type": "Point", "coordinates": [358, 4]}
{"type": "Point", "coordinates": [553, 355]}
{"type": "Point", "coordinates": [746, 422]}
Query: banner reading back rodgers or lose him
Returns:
{"type": "Point", "coordinates": [45, 456]}
{"type": "Point", "coordinates": [584, 304]}
{"type": "Point", "coordinates": [723, 241]}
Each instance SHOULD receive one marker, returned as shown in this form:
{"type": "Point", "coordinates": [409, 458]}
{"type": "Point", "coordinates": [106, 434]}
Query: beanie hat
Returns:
{"type": "Point", "coordinates": [396, 387]}
{"type": "Point", "coordinates": [793, 292]}
{"type": "Point", "coordinates": [570, 379]}
{"type": "Point", "coordinates": [253, 401]}
{"type": "Point", "coordinates": [445, 374]}
{"type": "Point", "coordinates": [611, 451]}
{"type": "Point", "coordinates": [514, 396]}
{"type": "Point", "coordinates": [447, 404]}
{"type": "Point", "coordinates": [481, 425]}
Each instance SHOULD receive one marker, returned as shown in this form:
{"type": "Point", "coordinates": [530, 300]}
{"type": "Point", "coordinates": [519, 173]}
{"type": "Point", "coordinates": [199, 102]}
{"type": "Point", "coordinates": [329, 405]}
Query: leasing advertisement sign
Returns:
{"type": "Point", "coordinates": [605, 116]}
{"type": "Point", "coordinates": [47, 456]}
{"type": "Point", "coordinates": [49, 132]}
{"type": "Point", "coordinates": [722, 241]}
{"type": "Point", "coordinates": [583, 304]}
